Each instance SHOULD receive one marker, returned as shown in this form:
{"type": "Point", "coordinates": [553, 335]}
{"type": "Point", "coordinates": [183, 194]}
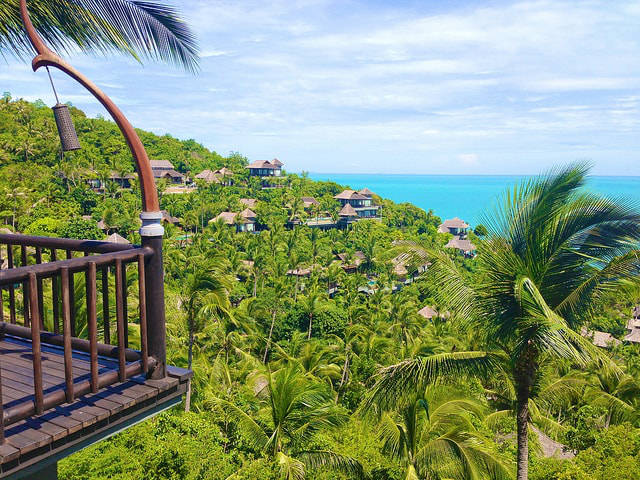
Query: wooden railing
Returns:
{"type": "Point", "coordinates": [40, 276]}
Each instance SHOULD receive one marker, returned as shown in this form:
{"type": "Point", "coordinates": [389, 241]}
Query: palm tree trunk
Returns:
{"type": "Point", "coordinates": [187, 400]}
{"type": "Point", "coordinates": [345, 367]}
{"type": "Point", "coordinates": [310, 322]}
{"type": "Point", "coordinates": [522, 420]}
{"type": "Point", "coordinates": [266, 348]}
{"type": "Point", "coordinates": [524, 379]}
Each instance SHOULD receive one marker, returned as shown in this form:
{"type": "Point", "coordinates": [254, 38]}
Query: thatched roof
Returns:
{"type": "Point", "coordinates": [162, 164]}
{"type": "Point", "coordinates": [248, 214]}
{"type": "Point", "coordinates": [348, 211]}
{"type": "Point", "coordinates": [600, 339]}
{"type": "Point", "coordinates": [227, 217]}
{"type": "Point", "coordinates": [224, 171]}
{"type": "Point", "coordinates": [464, 246]}
{"type": "Point", "coordinates": [366, 192]}
{"type": "Point", "coordinates": [452, 223]}
{"type": "Point", "coordinates": [167, 217]}
{"type": "Point", "coordinates": [308, 201]}
{"type": "Point", "coordinates": [208, 176]}
{"type": "Point", "coordinates": [277, 162]}
{"type": "Point", "coordinates": [266, 164]}
{"type": "Point", "coordinates": [428, 312]}
{"type": "Point", "coordinates": [349, 195]}
{"type": "Point", "coordinates": [249, 202]}
{"type": "Point", "coordinates": [115, 238]}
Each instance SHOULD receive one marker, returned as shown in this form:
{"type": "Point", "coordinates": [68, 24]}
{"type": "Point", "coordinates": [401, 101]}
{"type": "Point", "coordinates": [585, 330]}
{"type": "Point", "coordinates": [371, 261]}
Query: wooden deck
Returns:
{"type": "Point", "coordinates": [69, 427]}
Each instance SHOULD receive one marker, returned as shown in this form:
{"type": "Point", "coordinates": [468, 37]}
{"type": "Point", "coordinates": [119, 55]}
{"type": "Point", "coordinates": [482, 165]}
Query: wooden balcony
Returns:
{"type": "Point", "coordinates": [81, 346]}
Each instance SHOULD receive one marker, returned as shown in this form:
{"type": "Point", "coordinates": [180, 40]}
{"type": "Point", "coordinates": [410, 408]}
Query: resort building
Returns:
{"type": "Point", "coordinates": [357, 205]}
{"type": "Point", "coordinates": [222, 176]}
{"type": "Point", "coordinates": [350, 263]}
{"type": "Point", "coordinates": [163, 169]}
{"type": "Point", "coordinates": [265, 168]}
{"type": "Point", "coordinates": [600, 339]}
{"type": "Point", "coordinates": [244, 221]}
{"type": "Point", "coordinates": [309, 202]}
{"type": "Point", "coordinates": [633, 327]}
{"type": "Point", "coordinates": [428, 312]}
{"type": "Point", "coordinates": [249, 202]}
{"type": "Point", "coordinates": [464, 246]}
{"type": "Point", "coordinates": [454, 226]}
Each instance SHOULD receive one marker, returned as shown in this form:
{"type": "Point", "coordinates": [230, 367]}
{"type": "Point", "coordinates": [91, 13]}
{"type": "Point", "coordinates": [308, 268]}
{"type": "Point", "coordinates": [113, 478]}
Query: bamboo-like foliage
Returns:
{"type": "Point", "coordinates": [142, 29]}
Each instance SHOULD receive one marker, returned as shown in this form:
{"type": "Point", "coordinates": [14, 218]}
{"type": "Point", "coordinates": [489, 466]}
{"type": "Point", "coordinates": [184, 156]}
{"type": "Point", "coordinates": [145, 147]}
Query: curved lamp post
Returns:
{"type": "Point", "coordinates": [151, 231]}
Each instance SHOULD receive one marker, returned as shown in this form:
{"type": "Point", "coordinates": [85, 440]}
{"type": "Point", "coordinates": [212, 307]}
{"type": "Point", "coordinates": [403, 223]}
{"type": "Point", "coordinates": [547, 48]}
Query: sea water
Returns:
{"type": "Point", "coordinates": [465, 196]}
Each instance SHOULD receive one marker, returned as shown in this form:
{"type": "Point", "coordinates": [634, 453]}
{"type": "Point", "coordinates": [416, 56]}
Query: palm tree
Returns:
{"type": "Point", "coordinates": [140, 29]}
{"type": "Point", "coordinates": [433, 436]}
{"type": "Point", "coordinates": [295, 408]}
{"type": "Point", "coordinates": [551, 252]}
{"type": "Point", "coordinates": [205, 294]}
{"type": "Point", "coordinates": [312, 302]}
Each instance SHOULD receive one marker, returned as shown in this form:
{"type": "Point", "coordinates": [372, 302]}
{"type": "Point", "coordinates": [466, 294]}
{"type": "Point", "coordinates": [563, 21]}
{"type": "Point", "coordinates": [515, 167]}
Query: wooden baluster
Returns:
{"type": "Point", "coordinates": [12, 292]}
{"type": "Point", "coordinates": [1, 306]}
{"type": "Point", "coordinates": [105, 305]}
{"type": "Point", "coordinates": [92, 320]}
{"type": "Point", "coordinates": [40, 295]}
{"type": "Point", "coordinates": [120, 321]}
{"type": "Point", "coordinates": [125, 306]}
{"type": "Point", "coordinates": [54, 296]}
{"type": "Point", "coordinates": [142, 301]}
{"type": "Point", "coordinates": [72, 297]}
{"type": "Point", "coordinates": [66, 333]}
{"type": "Point", "coordinates": [1, 412]}
{"type": "Point", "coordinates": [35, 344]}
{"type": "Point", "coordinates": [25, 289]}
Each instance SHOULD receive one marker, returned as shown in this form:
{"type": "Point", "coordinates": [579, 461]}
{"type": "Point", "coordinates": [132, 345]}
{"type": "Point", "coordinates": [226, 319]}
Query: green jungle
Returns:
{"type": "Point", "coordinates": [310, 357]}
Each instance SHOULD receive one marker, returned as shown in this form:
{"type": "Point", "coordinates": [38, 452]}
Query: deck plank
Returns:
{"type": "Point", "coordinates": [42, 435]}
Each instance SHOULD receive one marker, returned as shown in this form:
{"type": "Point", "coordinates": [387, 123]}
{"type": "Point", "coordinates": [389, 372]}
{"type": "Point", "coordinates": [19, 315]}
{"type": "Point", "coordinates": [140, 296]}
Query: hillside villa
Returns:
{"type": "Point", "coordinates": [357, 205]}
{"type": "Point", "coordinates": [244, 221]}
{"type": "Point", "coordinates": [265, 168]}
{"type": "Point", "coordinates": [163, 169]}
{"type": "Point", "coordinates": [454, 226]}
{"type": "Point", "coordinates": [222, 176]}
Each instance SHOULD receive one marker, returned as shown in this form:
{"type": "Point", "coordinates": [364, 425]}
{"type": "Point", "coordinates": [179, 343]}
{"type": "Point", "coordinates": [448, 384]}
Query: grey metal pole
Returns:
{"type": "Point", "coordinates": [151, 234]}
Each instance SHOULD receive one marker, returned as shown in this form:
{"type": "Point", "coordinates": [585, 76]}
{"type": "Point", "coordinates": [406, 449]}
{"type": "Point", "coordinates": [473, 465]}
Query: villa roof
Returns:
{"type": "Point", "coordinates": [428, 312]}
{"type": "Point", "coordinates": [159, 173]}
{"type": "Point", "coordinates": [248, 213]}
{"type": "Point", "coordinates": [207, 175]}
{"type": "Point", "coordinates": [309, 201]}
{"type": "Point", "coordinates": [633, 337]}
{"type": "Point", "coordinates": [264, 164]}
{"type": "Point", "coordinates": [167, 217]}
{"type": "Point", "coordinates": [604, 339]}
{"type": "Point", "coordinates": [115, 238]}
{"type": "Point", "coordinates": [463, 245]}
{"type": "Point", "coordinates": [277, 162]}
{"type": "Point", "coordinates": [249, 202]}
{"type": "Point", "coordinates": [162, 164]}
{"type": "Point", "coordinates": [366, 192]}
{"type": "Point", "coordinates": [349, 195]}
{"type": "Point", "coordinates": [636, 311]}
{"type": "Point", "coordinates": [348, 211]}
{"type": "Point", "coordinates": [452, 223]}
{"type": "Point", "coordinates": [224, 171]}
{"type": "Point", "coordinates": [227, 217]}
{"type": "Point", "coordinates": [117, 176]}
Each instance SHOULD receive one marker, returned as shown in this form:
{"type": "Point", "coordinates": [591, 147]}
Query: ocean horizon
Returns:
{"type": "Point", "coordinates": [465, 196]}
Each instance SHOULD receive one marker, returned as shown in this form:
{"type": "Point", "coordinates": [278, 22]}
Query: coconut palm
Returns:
{"type": "Point", "coordinates": [551, 252]}
{"type": "Point", "coordinates": [433, 436]}
{"type": "Point", "coordinates": [293, 408]}
{"type": "Point", "coordinates": [140, 29]}
{"type": "Point", "coordinates": [205, 295]}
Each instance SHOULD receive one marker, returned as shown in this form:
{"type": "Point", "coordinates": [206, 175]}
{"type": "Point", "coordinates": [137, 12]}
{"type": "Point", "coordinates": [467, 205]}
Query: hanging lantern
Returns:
{"type": "Point", "coordinates": [66, 130]}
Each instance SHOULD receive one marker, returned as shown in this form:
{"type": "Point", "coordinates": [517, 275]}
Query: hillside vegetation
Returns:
{"type": "Point", "coordinates": [333, 373]}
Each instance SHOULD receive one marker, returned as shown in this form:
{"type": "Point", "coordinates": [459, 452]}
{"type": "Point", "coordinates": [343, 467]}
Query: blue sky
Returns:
{"type": "Point", "coordinates": [390, 86]}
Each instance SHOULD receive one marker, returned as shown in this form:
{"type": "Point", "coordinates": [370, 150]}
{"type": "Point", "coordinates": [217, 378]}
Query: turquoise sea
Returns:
{"type": "Point", "coordinates": [464, 196]}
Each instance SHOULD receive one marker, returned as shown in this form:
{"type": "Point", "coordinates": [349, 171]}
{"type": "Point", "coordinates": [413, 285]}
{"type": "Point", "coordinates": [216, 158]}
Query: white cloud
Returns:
{"type": "Point", "coordinates": [468, 159]}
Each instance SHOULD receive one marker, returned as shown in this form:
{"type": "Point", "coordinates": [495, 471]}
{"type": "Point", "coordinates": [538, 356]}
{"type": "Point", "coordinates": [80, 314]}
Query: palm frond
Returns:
{"type": "Point", "coordinates": [253, 432]}
{"type": "Point", "coordinates": [413, 375]}
{"type": "Point", "coordinates": [323, 459]}
{"type": "Point", "coordinates": [139, 28]}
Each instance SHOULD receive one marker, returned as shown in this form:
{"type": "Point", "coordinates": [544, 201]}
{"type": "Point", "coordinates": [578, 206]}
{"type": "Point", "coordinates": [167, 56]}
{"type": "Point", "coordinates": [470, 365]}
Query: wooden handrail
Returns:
{"type": "Point", "coordinates": [86, 246]}
{"type": "Point", "coordinates": [45, 270]}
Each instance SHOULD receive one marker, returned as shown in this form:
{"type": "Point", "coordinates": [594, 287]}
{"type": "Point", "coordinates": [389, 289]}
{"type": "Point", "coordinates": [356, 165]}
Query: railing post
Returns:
{"type": "Point", "coordinates": [151, 234]}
